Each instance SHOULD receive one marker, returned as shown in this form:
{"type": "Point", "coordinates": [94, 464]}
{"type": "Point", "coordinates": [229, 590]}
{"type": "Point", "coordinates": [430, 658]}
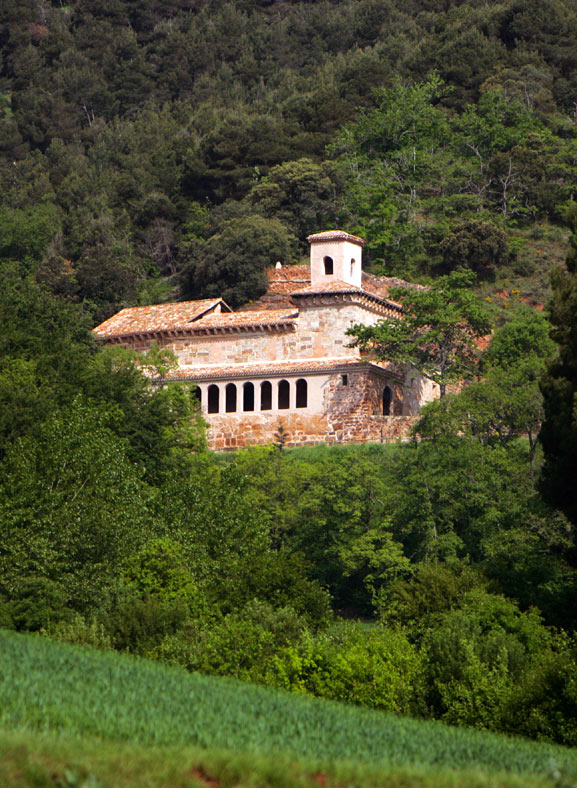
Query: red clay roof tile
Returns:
{"type": "Point", "coordinates": [158, 317]}
{"type": "Point", "coordinates": [263, 369]}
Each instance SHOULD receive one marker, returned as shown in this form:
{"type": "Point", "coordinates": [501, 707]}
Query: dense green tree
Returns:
{"type": "Point", "coordinates": [73, 507]}
{"type": "Point", "coordinates": [477, 656]}
{"type": "Point", "coordinates": [232, 263]}
{"type": "Point", "coordinates": [436, 333]}
{"type": "Point", "coordinates": [301, 194]}
{"type": "Point", "coordinates": [559, 431]}
{"type": "Point", "coordinates": [507, 402]}
{"type": "Point", "coordinates": [479, 246]}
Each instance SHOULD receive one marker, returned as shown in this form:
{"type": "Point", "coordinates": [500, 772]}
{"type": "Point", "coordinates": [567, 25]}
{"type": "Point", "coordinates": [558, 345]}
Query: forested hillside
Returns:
{"type": "Point", "coordinates": [149, 149]}
{"type": "Point", "coordinates": [173, 149]}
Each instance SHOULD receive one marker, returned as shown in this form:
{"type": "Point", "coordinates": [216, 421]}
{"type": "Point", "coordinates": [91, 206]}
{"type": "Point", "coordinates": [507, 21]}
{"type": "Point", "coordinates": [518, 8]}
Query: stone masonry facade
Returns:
{"type": "Point", "coordinates": [287, 360]}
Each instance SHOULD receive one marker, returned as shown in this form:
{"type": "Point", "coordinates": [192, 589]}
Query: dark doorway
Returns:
{"type": "Point", "coordinates": [387, 400]}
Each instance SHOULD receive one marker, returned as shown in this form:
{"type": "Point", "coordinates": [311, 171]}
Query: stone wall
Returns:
{"type": "Point", "coordinates": [239, 430]}
{"type": "Point", "coordinates": [319, 332]}
{"type": "Point", "coordinates": [352, 413]}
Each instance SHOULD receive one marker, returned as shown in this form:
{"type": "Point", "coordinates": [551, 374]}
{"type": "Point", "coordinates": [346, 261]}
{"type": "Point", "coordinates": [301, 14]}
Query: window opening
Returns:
{"type": "Point", "coordinates": [230, 405]}
{"type": "Point", "coordinates": [266, 395]}
{"type": "Point", "coordinates": [329, 266]}
{"type": "Point", "coordinates": [302, 391]}
{"type": "Point", "coordinates": [387, 399]}
{"type": "Point", "coordinates": [345, 380]}
{"type": "Point", "coordinates": [283, 395]}
{"type": "Point", "coordinates": [353, 264]}
{"type": "Point", "coordinates": [213, 399]}
{"type": "Point", "coordinates": [197, 394]}
{"type": "Point", "coordinates": [248, 397]}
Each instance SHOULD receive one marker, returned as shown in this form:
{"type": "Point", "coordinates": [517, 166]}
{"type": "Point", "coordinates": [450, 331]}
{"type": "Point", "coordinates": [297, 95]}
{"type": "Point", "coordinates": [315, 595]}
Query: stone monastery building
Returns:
{"type": "Point", "coordinates": [286, 359]}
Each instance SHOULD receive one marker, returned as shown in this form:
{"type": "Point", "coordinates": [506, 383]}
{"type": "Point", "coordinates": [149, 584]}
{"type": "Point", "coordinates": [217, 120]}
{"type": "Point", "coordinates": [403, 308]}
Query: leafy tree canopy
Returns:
{"type": "Point", "coordinates": [232, 263]}
{"type": "Point", "coordinates": [559, 432]}
{"type": "Point", "coordinates": [436, 333]}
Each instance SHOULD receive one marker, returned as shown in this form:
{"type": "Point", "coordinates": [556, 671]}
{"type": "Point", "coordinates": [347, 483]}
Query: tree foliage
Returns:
{"type": "Point", "coordinates": [559, 432]}
{"type": "Point", "coordinates": [436, 333]}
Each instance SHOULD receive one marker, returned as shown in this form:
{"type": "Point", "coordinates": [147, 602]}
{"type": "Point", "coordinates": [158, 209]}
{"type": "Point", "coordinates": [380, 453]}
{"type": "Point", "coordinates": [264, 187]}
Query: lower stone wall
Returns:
{"type": "Point", "coordinates": [351, 413]}
{"type": "Point", "coordinates": [236, 431]}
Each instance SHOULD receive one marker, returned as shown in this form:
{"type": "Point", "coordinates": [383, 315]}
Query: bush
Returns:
{"type": "Point", "coordinates": [434, 588]}
{"type": "Point", "coordinates": [367, 665]}
{"type": "Point", "coordinates": [477, 656]}
{"type": "Point", "coordinates": [241, 645]}
{"type": "Point", "coordinates": [36, 603]}
{"type": "Point", "coordinates": [139, 625]}
{"type": "Point", "coordinates": [479, 246]}
{"type": "Point", "coordinates": [544, 705]}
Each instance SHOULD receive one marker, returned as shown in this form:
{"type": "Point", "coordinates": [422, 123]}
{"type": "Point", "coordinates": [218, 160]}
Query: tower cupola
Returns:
{"type": "Point", "coordinates": [336, 255]}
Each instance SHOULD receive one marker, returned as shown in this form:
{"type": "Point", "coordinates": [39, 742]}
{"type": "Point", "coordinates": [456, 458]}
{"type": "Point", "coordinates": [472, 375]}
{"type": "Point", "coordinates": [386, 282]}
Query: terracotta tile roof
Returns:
{"type": "Point", "coordinates": [191, 317]}
{"type": "Point", "coordinates": [292, 278]}
{"type": "Point", "coordinates": [266, 317]}
{"type": "Point", "coordinates": [264, 369]}
{"type": "Point", "coordinates": [334, 235]}
{"type": "Point", "coordinates": [333, 286]}
{"type": "Point", "coordinates": [337, 287]}
{"type": "Point", "coordinates": [288, 278]}
{"type": "Point", "coordinates": [159, 317]}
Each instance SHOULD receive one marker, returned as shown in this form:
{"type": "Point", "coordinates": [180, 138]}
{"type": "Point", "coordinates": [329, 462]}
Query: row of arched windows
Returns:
{"type": "Point", "coordinates": [244, 399]}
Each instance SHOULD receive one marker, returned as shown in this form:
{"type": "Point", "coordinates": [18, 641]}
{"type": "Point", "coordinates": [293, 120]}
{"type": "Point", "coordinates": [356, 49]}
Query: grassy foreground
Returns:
{"type": "Point", "coordinates": [78, 717]}
{"type": "Point", "coordinates": [45, 761]}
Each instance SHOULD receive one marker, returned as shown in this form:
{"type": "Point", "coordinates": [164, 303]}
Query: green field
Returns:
{"type": "Point", "coordinates": [83, 695]}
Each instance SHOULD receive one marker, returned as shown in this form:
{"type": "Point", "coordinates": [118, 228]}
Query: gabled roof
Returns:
{"type": "Point", "coordinates": [240, 320]}
{"type": "Point", "coordinates": [191, 317]}
{"type": "Point", "coordinates": [158, 317]}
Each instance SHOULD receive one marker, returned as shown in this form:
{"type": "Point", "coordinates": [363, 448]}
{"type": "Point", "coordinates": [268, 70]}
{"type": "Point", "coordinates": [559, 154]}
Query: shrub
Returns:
{"type": "Point", "coordinates": [479, 246]}
{"type": "Point", "coordinates": [366, 665]}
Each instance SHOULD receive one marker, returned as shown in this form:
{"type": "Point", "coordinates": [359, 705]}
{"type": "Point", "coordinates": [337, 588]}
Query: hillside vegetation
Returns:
{"type": "Point", "coordinates": [152, 150]}
{"type": "Point", "coordinates": [83, 693]}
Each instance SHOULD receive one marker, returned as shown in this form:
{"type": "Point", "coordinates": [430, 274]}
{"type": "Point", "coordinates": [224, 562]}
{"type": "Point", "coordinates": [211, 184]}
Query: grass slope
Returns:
{"type": "Point", "coordinates": [51, 687]}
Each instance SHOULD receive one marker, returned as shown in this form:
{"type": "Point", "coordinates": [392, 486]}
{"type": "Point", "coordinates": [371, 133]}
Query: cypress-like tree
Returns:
{"type": "Point", "coordinates": [559, 386]}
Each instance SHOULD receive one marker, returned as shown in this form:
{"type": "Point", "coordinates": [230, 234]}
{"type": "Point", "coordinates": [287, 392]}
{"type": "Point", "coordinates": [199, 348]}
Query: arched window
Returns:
{"type": "Point", "coordinates": [353, 266]}
{"type": "Point", "coordinates": [197, 394]}
{"type": "Point", "coordinates": [301, 393]}
{"type": "Point", "coordinates": [329, 266]}
{"type": "Point", "coordinates": [213, 399]}
{"type": "Point", "coordinates": [266, 395]}
{"type": "Point", "coordinates": [248, 396]}
{"type": "Point", "coordinates": [230, 405]}
{"type": "Point", "coordinates": [283, 395]}
{"type": "Point", "coordinates": [387, 400]}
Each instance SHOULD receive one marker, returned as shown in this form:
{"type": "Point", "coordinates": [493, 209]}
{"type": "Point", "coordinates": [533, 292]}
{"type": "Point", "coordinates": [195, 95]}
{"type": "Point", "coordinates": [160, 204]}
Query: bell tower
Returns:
{"type": "Point", "coordinates": [336, 255]}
